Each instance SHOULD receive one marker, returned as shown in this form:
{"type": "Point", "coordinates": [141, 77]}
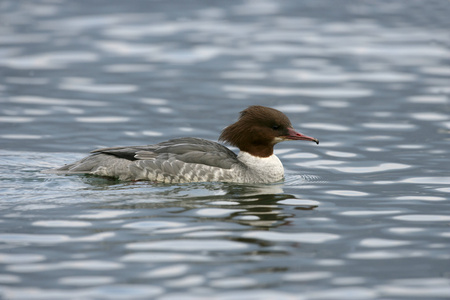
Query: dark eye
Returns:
{"type": "Point", "coordinates": [276, 127]}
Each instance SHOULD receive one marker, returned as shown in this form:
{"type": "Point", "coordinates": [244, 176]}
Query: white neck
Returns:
{"type": "Point", "coordinates": [267, 169]}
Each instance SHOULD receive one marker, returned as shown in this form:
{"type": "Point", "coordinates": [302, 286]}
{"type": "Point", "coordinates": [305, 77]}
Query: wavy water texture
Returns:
{"type": "Point", "coordinates": [362, 215]}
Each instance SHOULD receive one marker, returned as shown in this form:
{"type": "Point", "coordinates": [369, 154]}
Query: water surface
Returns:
{"type": "Point", "coordinates": [363, 215]}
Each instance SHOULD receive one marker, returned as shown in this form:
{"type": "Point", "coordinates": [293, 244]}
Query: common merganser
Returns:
{"type": "Point", "coordinates": [190, 159]}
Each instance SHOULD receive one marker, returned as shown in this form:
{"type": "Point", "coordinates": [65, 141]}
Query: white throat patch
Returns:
{"type": "Point", "coordinates": [269, 169]}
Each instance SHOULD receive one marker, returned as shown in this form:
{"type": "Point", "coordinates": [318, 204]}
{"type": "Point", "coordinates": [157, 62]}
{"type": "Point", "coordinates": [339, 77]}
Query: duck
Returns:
{"type": "Point", "coordinates": [190, 159]}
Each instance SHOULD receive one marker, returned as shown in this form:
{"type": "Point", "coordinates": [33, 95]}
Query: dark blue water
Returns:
{"type": "Point", "coordinates": [363, 215]}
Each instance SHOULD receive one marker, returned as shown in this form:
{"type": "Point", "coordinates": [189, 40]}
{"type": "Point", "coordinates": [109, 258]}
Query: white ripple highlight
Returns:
{"type": "Point", "coordinates": [299, 202]}
{"type": "Point", "coordinates": [430, 116]}
{"type": "Point", "coordinates": [169, 271]}
{"type": "Point", "coordinates": [381, 243]}
{"type": "Point", "coordinates": [23, 136]}
{"type": "Point", "coordinates": [15, 119]}
{"type": "Point", "coordinates": [103, 214]}
{"type": "Point", "coordinates": [216, 212]}
{"type": "Point", "coordinates": [106, 119]}
{"type": "Point", "coordinates": [48, 61]}
{"type": "Point", "coordinates": [54, 101]}
{"type": "Point", "coordinates": [190, 245]}
{"type": "Point", "coordinates": [348, 193]}
{"type": "Point", "coordinates": [99, 88]}
{"type": "Point", "coordinates": [304, 237]}
{"type": "Point", "coordinates": [85, 280]}
{"type": "Point", "coordinates": [159, 257]}
{"type": "Point", "coordinates": [152, 225]}
{"type": "Point", "coordinates": [61, 223]}
{"type": "Point", "coordinates": [326, 126]}
{"type": "Point", "coordinates": [423, 218]}
{"type": "Point", "coordinates": [340, 154]}
{"type": "Point", "coordinates": [293, 108]}
{"type": "Point", "coordinates": [427, 180]}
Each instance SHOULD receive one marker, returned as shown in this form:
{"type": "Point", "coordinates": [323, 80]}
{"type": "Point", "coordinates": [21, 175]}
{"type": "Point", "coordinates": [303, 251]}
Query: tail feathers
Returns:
{"type": "Point", "coordinates": [86, 165]}
{"type": "Point", "coordinates": [63, 170]}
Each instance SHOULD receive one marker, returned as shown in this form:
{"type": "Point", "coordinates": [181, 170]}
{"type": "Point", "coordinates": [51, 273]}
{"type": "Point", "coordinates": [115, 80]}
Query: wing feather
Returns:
{"type": "Point", "coordinates": [176, 160]}
{"type": "Point", "coordinates": [188, 150]}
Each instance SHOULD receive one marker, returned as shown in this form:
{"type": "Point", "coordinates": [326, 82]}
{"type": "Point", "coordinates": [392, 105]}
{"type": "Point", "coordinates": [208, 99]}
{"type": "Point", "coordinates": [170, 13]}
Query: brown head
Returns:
{"type": "Point", "coordinates": [258, 129]}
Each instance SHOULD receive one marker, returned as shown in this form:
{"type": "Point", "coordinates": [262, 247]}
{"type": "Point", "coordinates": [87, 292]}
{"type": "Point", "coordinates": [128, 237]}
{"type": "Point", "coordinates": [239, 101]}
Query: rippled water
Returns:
{"type": "Point", "coordinates": [364, 215]}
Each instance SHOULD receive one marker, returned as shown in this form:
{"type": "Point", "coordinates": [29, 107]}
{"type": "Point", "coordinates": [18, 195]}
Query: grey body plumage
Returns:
{"type": "Point", "coordinates": [173, 161]}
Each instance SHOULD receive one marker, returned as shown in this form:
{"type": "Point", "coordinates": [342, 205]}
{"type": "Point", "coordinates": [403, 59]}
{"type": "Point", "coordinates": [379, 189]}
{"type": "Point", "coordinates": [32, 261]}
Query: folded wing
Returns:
{"type": "Point", "coordinates": [176, 160]}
